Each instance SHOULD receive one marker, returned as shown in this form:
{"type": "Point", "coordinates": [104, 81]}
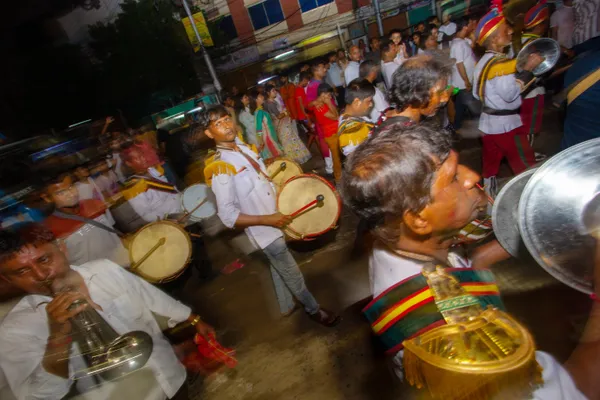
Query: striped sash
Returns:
{"type": "Point", "coordinates": [407, 309]}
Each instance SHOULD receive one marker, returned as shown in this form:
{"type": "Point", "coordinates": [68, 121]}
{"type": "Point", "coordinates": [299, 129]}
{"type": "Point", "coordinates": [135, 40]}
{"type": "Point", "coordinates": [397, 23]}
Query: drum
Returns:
{"type": "Point", "coordinates": [280, 170]}
{"type": "Point", "coordinates": [314, 204]}
{"type": "Point", "coordinates": [199, 201]}
{"type": "Point", "coordinates": [161, 251]}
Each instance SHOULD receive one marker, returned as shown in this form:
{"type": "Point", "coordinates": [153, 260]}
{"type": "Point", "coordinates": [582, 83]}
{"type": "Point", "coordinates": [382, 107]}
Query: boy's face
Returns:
{"type": "Point", "coordinates": [221, 130]}
{"type": "Point", "coordinates": [363, 107]}
{"type": "Point", "coordinates": [63, 194]}
{"type": "Point", "coordinates": [324, 97]}
{"type": "Point", "coordinates": [82, 172]}
{"type": "Point", "coordinates": [303, 82]}
{"type": "Point", "coordinates": [396, 38]}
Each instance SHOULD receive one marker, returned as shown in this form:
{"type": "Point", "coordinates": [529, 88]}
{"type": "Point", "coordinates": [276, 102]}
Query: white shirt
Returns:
{"type": "Point", "coordinates": [351, 72]}
{"type": "Point", "coordinates": [149, 206]}
{"type": "Point", "coordinates": [246, 192]}
{"type": "Point", "coordinates": [388, 70]}
{"type": "Point", "coordinates": [387, 269]}
{"type": "Point", "coordinates": [586, 20]}
{"type": "Point", "coordinates": [90, 243]}
{"type": "Point", "coordinates": [399, 59]}
{"type": "Point", "coordinates": [501, 93]}
{"type": "Point", "coordinates": [88, 190]}
{"type": "Point", "coordinates": [564, 20]}
{"type": "Point", "coordinates": [127, 303]}
{"type": "Point", "coordinates": [449, 29]}
{"type": "Point", "coordinates": [461, 51]}
{"type": "Point", "coordinates": [380, 104]}
{"type": "Point", "coordinates": [334, 75]}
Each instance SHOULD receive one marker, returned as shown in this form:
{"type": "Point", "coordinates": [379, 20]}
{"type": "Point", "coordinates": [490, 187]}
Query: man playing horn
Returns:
{"type": "Point", "coordinates": [37, 353]}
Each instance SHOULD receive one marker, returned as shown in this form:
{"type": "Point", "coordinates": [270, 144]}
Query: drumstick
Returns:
{"type": "Point", "coordinates": [186, 215]}
{"type": "Point", "coordinates": [281, 167]}
{"type": "Point", "coordinates": [148, 254]}
{"type": "Point", "coordinates": [319, 199]}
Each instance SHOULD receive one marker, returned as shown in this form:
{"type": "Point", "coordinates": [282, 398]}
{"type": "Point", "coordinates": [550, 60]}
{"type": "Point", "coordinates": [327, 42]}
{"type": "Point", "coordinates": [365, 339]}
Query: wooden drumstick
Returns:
{"type": "Point", "coordinates": [148, 254]}
{"type": "Point", "coordinates": [186, 215]}
{"type": "Point", "coordinates": [281, 167]}
{"type": "Point", "coordinates": [318, 200]}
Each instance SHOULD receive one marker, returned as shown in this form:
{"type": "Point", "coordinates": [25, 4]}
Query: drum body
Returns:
{"type": "Point", "coordinates": [316, 220]}
{"type": "Point", "coordinates": [193, 196]}
{"type": "Point", "coordinates": [280, 174]}
{"type": "Point", "coordinates": [168, 261]}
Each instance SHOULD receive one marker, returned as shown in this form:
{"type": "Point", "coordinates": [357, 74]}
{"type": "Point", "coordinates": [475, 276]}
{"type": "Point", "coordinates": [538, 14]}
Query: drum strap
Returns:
{"type": "Point", "coordinates": [85, 220]}
{"type": "Point", "coordinates": [252, 162]}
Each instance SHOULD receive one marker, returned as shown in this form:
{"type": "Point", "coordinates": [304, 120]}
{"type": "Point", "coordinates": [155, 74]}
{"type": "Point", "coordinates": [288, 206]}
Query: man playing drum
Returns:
{"type": "Point", "coordinates": [86, 226]}
{"type": "Point", "coordinates": [246, 199]}
{"type": "Point", "coordinates": [148, 193]}
{"type": "Point", "coordinates": [38, 356]}
{"type": "Point", "coordinates": [408, 183]}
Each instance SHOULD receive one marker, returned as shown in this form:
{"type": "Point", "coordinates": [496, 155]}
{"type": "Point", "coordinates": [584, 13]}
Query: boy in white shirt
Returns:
{"type": "Point", "coordinates": [246, 199]}
{"type": "Point", "coordinates": [462, 72]}
{"type": "Point", "coordinates": [369, 71]}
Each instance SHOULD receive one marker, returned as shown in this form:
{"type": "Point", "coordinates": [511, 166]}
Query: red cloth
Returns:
{"type": "Point", "coordinates": [62, 227]}
{"type": "Point", "coordinates": [300, 96]}
{"type": "Point", "coordinates": [329, 126]}
{"type": "Point", "coordinates": [513, 145]}
{"type": "Point", "coordinates": [288, 94]}
{"type": "Point", "coordinates": [532, 113]}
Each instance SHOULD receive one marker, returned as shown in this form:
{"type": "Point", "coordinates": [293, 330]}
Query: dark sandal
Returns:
{"type": "Point", "coordinates": [326, 318]}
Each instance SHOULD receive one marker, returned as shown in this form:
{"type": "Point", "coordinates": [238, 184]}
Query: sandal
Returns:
{"type": "Point", "coordinates": [326, 318]}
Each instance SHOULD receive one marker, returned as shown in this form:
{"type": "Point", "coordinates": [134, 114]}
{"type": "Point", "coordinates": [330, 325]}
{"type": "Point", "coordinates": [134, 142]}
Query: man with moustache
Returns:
{"type": "Point", "coordinates": [37, 353]}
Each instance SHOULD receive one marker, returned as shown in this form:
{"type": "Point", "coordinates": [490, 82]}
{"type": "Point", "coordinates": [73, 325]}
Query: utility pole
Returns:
{"type": "Point", "coordinates": [378, 17]}
{"type": "Point", "coordinates": [207, 59]}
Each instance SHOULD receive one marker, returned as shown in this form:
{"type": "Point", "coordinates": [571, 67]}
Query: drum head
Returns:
{"type": "Point", "coordinates": [300, 191]}
{"type": "Point", "coordinates": [552, 214]}
{"type": "Point", "coordinates": [505, 214]}
{"type": "Point", "coordinates": [290, 170]}
{"type": "Point", "coordinates": [194, 195]}
{"type": "Point", "coordinates": [166, 262]}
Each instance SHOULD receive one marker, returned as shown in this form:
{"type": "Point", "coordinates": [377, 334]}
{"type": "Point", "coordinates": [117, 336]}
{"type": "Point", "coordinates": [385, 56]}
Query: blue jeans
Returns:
{"type": "Point", "coordinates": [287, 278]}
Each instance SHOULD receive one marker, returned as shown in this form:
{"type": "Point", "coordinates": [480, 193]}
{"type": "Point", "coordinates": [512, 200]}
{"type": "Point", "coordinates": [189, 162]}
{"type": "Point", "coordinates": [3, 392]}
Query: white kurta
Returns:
{"type": "Point", "coordinates": [387, 269]}
{"type": "Point", "coordinates": [380, 104]}
{"type": "Point", "coordinates": [127, 303]}
{"type": "Point", "coordinates": [246, 192]}
{"type": "Point", "coordinates": [351, 72]}
{"type": "Point", "coordinates": [501, 93]}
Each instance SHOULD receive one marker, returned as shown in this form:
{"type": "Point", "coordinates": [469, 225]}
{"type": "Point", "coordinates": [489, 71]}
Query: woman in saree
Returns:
{"type": "Point", "coordinates": [266, 135]}
{"type": "Point", "coordinates": [246, 119]}
{"type": "Point", "coordinates": [293, 146]}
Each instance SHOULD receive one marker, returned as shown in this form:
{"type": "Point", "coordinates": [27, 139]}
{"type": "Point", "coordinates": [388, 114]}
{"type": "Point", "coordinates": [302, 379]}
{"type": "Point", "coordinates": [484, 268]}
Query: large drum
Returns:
{"type": "Point", "coordinates": [199, 201]}
{"type": "Point", "coordinates": [160, 251]}
{"type": "Point", "coordinates": [314, 204]}
{"type": "Point", "coordinates": [281, 170]}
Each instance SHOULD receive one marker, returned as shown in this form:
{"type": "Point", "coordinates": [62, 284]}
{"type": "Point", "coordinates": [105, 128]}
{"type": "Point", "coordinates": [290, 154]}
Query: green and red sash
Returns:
{"type": "Point", "coordinates": [408, 309]}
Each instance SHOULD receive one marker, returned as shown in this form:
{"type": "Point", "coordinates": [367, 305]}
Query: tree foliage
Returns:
{"type": "Point", "coordinates": [145, 58]}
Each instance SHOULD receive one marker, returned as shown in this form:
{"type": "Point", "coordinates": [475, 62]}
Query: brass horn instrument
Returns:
{"type": "Point", "coordinates": [105, 352]}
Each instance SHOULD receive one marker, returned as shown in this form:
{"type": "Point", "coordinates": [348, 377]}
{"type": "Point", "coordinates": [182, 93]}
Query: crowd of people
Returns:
{"type": "Point", "coordinates": [384, 121]}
